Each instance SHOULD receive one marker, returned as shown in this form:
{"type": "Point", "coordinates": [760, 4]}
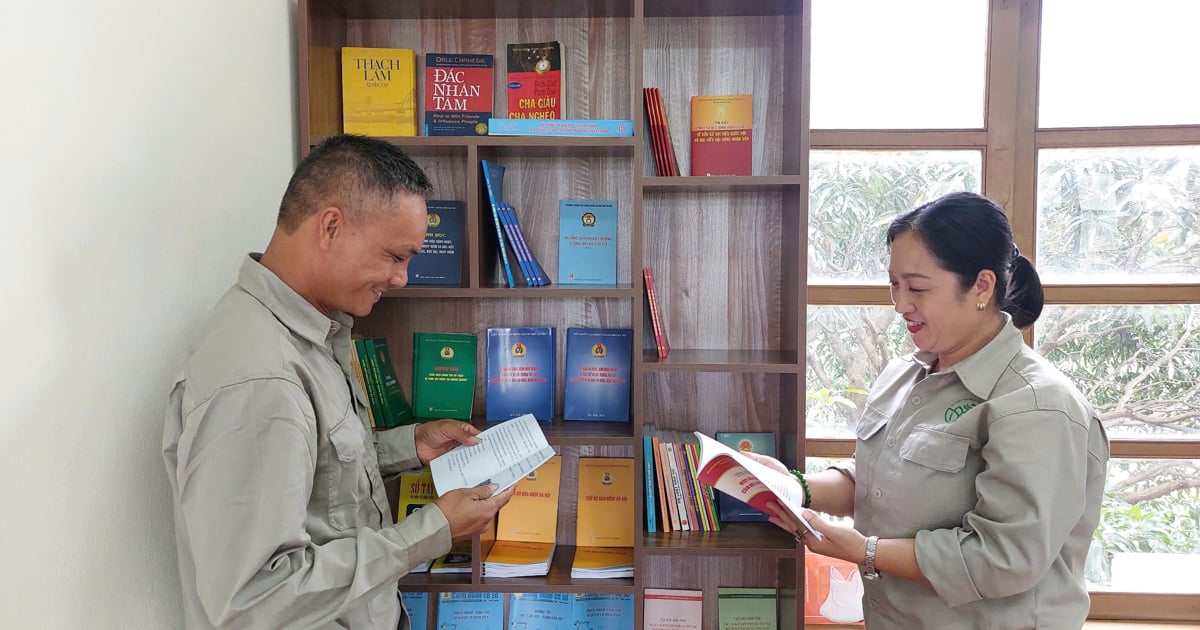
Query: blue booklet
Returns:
{"type": "Point", "coordinates": [576, 127]}
{"type": "Point", "coordinates": [731, 509]}
{"type": "Point", "coordinates": [441, 259]}
{"type": "Point", "coordinates": [520, 372]}
{"type": "Point", "coordinates": [603, 611]}
{"type": "Point", "coordinates": [493, 183]}
{"type": "Point", "coordinates": [465, 611]}
{"type": "Point", "coordinates": [417, 605]}
{"type": "Point", "coordinates": [598, 369]}
{"type": "Point", "coordinates": [540, 611]}
{"type": "Point", "coordinates": [587, 241]}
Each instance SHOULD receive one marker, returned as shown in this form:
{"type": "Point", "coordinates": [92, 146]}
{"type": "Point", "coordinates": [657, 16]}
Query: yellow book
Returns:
{"type": "Point", "coordinates": [532, 513]}
{"type": "Point", "coordinates": [517, 552]}
{"type": "Point", "coordinates": [602, 557]}
{"type": "Point", "coordinates": [604, 516]}
{"type": "Point", "coordinates": [416, 490]}
{"type": "Point", "coordinates": [379, 91]}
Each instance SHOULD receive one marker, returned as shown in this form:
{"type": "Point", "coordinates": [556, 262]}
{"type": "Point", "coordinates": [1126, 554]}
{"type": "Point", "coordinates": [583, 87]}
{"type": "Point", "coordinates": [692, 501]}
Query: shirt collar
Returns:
{"type": "Point", "coordinates": [292, 310]}
{"type": "Point", "coordinates": [980, 372]}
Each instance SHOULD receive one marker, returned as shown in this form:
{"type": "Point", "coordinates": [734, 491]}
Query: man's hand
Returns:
{"type": "Point", "coordinates": [469, 510]}
{"type": "Point", "coordinates": [440, 436]}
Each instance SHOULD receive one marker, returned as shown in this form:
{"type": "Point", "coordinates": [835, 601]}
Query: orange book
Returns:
{"type": "Point", "coordinates": [722, 139]}
{"type": "Point", "coordinates": [604, 515]}
{"type": "Point", "coordinates": [660, 477]}
{"type": "Point", "coordinates": [532, 513]}
{"type": "Point", "coordinates": [662, 346]}
{"type": "Point", "coordinates": [672, 162]}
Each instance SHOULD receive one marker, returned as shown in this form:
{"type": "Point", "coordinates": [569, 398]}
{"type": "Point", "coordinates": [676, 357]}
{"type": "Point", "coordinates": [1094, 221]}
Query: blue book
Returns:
{"type": "Point", "coordinates": [470, 611]}
{"type": "Point", "coordinates": [732, 510]}
{"type": "Point", "coordinates": [540, 611]}
{"type": "Point", "coordinates": [441, 259]}
{"type": "Point", "coordinates": [534, 272]}
{"type": "Point", "coordinates": [603, 611]}
{"type": "Point", "coordinates": [520, 372]}
{"type": "Point", "coordinates": [493, 180]}
{"type": "Point", "coordinates": [573, 127]}
{"type": "Point", "coordinates": [417, 605]}
{"type": "Point", "coordinates": [587, 241]}
{"type": "Point", "coordinates": [651, 501]}
{"type": "Point", "coordinates": [598, 369]}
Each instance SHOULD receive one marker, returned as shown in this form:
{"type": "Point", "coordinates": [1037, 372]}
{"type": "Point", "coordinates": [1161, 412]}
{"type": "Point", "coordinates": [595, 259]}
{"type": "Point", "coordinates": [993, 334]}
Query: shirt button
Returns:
{"type": "Point", "coordinates": [891, 441]}
{"type": "Point", "coordinates": [916, 401]}
{"type": "Point", "coordinates": [877, 493]}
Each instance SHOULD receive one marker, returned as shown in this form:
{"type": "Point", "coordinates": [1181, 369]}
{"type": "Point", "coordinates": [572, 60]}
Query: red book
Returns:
{"type": "Point", "coordinates": [656, 142]}
{"type": "Point", "coordinates": [672, 162]}
{"type": "Point", "coordinates": [458, 94]}
{"type": "Point", "coordinates": [535, 81]}
{"type": "Point", "coordinates": [661, 344]}
{"type": "Point", "coordinates": [721, 135]}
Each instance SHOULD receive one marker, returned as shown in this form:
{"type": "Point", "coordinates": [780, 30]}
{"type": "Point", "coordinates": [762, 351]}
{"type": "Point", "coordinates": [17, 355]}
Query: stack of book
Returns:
{"type": "Point", "coordinates": [665, 162]}
{"type": "Point", "coordinates": [526, 528]}
{"type": "Point", "coordinates": [685, 504]}
{"type": "Point", "coordinates": [371, 363]}
{"type": "Point", "coordinates": [519, 267]}
{"type": "Point", "coordinates": [604, 518]}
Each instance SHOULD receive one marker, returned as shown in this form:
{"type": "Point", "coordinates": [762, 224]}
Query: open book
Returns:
{"type": "Point", "coordinates": [505, 453]}
{"type": "Point", "coordinates": [748, 481]}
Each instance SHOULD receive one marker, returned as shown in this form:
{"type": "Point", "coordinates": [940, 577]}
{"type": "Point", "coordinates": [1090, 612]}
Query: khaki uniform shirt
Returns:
{"type": "Point", "coordinates": [281, 518]}
{"type": "Point", "coordinates": [996, 467]}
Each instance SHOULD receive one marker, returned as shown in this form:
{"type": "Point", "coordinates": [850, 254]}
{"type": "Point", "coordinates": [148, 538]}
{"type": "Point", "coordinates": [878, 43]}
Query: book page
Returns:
{"type": "Point", "coordinates": [748, 481]}
{"type": "Point", "coordinates": [505, 453]}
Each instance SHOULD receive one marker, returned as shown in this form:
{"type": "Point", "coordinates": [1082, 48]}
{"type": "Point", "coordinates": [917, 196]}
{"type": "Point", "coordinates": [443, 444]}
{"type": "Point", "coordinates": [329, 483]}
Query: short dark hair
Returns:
{"type": "Point", "coordinates": [354, 173]}
{"type": "Point", "coordinates": [967, 233]}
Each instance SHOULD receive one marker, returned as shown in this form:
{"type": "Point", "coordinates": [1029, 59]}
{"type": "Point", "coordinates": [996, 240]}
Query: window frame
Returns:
{"type": "Point", "coordinates": [1010, 143]}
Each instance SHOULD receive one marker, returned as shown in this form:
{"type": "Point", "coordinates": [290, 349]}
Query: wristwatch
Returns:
{"type": "Point", "coordinates": [869, 571]}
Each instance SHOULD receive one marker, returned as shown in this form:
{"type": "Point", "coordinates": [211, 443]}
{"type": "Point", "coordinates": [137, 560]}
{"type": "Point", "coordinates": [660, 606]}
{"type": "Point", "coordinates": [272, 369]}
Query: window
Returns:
{"type": "Point", "coordinates": [1085, 130]}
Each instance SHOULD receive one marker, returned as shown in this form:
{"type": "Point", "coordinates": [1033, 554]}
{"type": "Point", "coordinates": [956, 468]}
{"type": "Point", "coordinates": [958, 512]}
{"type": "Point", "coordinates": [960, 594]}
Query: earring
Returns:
{"type": "Point", "coordinates": [979, 306]}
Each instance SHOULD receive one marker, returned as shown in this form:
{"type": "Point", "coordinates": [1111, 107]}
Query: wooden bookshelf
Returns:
{"type": "Point", "coordinates": [728, 253]}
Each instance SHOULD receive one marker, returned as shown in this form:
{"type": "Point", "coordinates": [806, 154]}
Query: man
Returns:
{"type": "Point", "coordinates": [281, 519]}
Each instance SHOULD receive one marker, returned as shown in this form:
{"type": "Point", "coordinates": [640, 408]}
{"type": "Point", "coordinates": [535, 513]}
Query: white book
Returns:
{"type": "Point", "coordinates": [748, 481]}
{"type": "Point", "coordinates": [505, 453]}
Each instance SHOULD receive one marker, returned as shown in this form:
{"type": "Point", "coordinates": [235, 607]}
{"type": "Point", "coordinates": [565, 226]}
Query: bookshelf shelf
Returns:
{"type": "Point", "coordinates": [728, 254]}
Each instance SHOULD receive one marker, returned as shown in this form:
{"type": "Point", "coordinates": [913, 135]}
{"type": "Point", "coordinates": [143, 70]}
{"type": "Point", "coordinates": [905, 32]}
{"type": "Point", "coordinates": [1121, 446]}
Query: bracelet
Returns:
{"type": "Point", "coordinates": [804, 484]}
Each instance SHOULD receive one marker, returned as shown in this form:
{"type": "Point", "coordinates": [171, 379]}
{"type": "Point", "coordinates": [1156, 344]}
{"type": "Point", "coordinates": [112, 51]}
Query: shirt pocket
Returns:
{"type": "Point", "coordinates": [871, 421]}
{"type": "Point", "coordinates": [346, 476]}
{"type": "Point", "coordinates": [936, 450]}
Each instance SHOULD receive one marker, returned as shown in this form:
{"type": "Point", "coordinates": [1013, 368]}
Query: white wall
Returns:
{"type": "Point", "coordinates": [144, 146]}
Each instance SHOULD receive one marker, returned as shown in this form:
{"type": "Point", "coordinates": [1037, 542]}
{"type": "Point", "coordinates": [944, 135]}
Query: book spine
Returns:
{"type": "Point", "coordinates": [685, 480]}
{"type": "Point", "coordinates": [672, 161]}
{"type": "Point", "coordinates": [656, 323]}
{"type": "Point", "coordinates": [356, 366]}
{"type": "Point", "coordinates": [502, 250]}
{"type": "Point", "coordinates": [506, 218]}
{"type": "Point", "coordinates": [661, 482]}
{"type": "Point", "coordinates": [374, 384]}
{"type": "Point", "coordinates": [648, 475]}
{"type": "Point", "coordinates": [538, 274]}
{"type": "Point", "coordinates": [671, 485]}
{"type": "Point", "coordinates": [703, 496]}
{"type": "Point", "coordinates": [685, 522]}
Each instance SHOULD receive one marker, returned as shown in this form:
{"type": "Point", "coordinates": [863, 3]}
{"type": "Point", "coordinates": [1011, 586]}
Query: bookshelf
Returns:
{"type": "Point", "coordinates": [728, 253]}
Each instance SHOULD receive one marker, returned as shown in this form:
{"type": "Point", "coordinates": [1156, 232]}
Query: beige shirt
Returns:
{"type": "Point", "coordinates": [996, 467]}
{"type": "Point", "coordinates": [280, 510]}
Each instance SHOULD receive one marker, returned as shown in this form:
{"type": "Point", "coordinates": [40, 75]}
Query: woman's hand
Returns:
{"type": "Point", "coordinates": [440, 436]}
{"type": "Point", "coordinates": [844, 543]}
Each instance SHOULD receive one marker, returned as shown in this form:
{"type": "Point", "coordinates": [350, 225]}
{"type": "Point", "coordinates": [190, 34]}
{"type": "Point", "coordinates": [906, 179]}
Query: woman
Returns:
{"type": "Point", "coordinates": [979, 468]}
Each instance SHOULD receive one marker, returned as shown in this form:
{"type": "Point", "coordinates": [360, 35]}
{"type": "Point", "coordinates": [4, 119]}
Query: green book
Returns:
{"type": "Point", "coordinates": [444, 375]}
{"type": "Point", "coordinates": [387, 399]}
{"type": "Point", "coordinates": [746, 608]}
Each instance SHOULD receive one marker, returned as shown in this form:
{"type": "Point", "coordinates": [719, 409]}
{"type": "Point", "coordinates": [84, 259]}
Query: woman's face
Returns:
{"type": "Point", "coordinates": [940, 316]}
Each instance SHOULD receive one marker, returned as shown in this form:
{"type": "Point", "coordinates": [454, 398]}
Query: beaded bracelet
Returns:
{"type": "Point", "coordinates": [804, 484]}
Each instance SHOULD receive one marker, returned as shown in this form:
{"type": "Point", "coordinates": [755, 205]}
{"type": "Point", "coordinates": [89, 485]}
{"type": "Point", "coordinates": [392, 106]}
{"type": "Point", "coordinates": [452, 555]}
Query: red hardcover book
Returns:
{"type": "Point", "coordinates": [661, 344]}
{"type": "Point", "coordinates": [722, 141]}
{"type": "Point", "coordinates": [672, 162]}
{"type": "Point", "coordinates": [458, 94]}
{"type": "Point", "coordinates": [656, 144]}
{"type": "Point", "coordinates": [535, 80]}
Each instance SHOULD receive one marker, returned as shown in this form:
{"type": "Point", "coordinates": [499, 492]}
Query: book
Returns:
{"type": "Point", "coordinates": [660, 481]}
{"type": "Point", "coordinates": [505, 453]}
{"type": "Point", "coordinates": [493, 180]}
{"type": "Point", "coordinates": [587, 241]}
{"type": "Point", "coordinates": [741, 608]}
{"type": "Point", "coordinates": [748, 481]}
{"type": "Point", "coordinates": [379, 91]}
{"type": "Point", "coordinates": [440, 262]}
{"type": "Point", "coordinates": [672, 609]}
{"type": "Point", "coordinates": [604, 510]}
{"type": "Point", "coordinates": [663, 150]}
{"type": "Point", "coordinates": [569, 127]}
{"type": "Point", "coordinates": [731, 509]}
{"type": "Point", "coordinates": [603, 611]}
{"type": "Point", "coordinates": [535, 80]}
{"type": "Point", "coordinates": [597, 374]}
{"type": "Point", "coordinates": [540, 611]}
{"type": "Point", "coordinates": [470, 610]}
{"type": "Point", "coordinates": [416, 491]}
{"type": "Point", "coordinates": [515, 558]}
{"type": "Point", "coordinates": [389, 405]}
{"type": "Point", "coordinates": [658, 328]}
{"type": "Point", "coordinates": [520, 372]}
{"type": "Point", "coordinates": [648, 478]}
{"type": "Point", "coordinates": [722, 138]}
{"type": "Point", "coordinates": [458, 94]}
{"type": "Point", "coordinates": [417, 605]}
{"type": "Point", "coordinates": [527, 526]}
{"type": "Point", "coordinates": [602, 562]}
{"type": "Point", "coordinates": [535, 276]}
{"type": "Point", "coordinates": [443, 374]}
{"type": "Point", "coordinates": [457, 560]}
{"type": "Point", "coordinates": [360, 380]}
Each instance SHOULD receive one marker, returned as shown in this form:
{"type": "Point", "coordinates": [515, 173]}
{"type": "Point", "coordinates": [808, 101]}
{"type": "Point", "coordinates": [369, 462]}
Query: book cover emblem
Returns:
{"type": "Point", "coordinates": [588, 219]}
{"type": "Point", "coordinates": [606, 479]}
{"type": "Point", "coordinates": [447, 352]}
{"type": "Point", "coordinates": [434, 220]}
{"type": "Point", "coordinates": [519, 350]}
{"type": "Point", "coordinates": [599, 351]}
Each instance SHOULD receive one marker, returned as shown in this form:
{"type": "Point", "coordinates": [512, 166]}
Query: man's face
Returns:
{"type": "Point", "coordinates": [371, 255]}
